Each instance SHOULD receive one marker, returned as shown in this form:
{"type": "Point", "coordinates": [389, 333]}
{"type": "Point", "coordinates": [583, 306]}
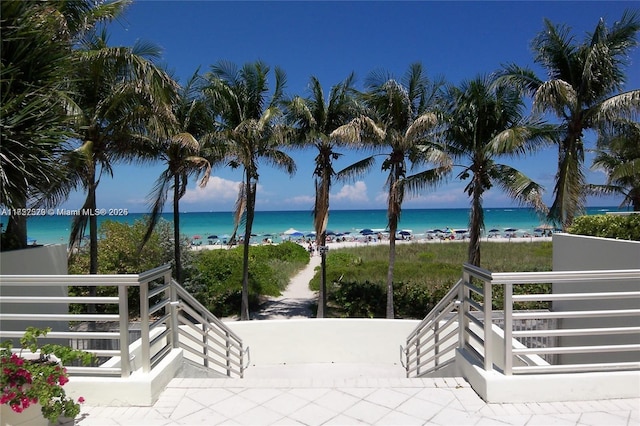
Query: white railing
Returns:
{"type": "Point", "coordinates": [590, 306]}
{"type": "Point", "coordinates": [431, 345]}
{"type": "Point", "coordinates": [108, 333]}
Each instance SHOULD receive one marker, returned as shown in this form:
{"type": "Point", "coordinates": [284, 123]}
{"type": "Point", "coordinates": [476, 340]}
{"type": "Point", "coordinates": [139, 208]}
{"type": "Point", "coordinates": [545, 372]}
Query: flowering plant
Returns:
{"type": "Point", "coordinates": [38, 376]}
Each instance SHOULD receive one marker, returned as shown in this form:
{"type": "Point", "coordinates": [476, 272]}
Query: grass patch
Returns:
{"type": "Point", "coordinates": [423, 273]}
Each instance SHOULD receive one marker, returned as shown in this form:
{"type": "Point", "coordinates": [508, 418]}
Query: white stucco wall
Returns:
{"type": "Point", "coordinates": [582, 253]}
{"type": "Point", "coordinates": [42, 260]}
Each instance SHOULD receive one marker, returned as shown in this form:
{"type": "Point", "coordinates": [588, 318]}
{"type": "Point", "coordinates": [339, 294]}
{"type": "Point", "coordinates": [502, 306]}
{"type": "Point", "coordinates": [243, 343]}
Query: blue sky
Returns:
{"type": "Point", "coordinates": [456, 40]}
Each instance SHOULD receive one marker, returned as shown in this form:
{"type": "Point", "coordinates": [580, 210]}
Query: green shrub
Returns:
{"type": "Point", "coordinates": [623, 227]}
{"type": "Point", "coordinates": [217, 278]}
{"type": "Point", "coordinates": [423, 273]}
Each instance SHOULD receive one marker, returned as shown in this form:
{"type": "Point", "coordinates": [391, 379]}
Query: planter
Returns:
{"type": "Point", "coordinates": [32, 416]}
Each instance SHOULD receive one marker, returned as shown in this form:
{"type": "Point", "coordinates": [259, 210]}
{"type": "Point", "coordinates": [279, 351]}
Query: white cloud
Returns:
{"type": "Point", "coordinates": [217, 189]}
{"type": "Point", "coordinates": [306, 200]}
{"type": "Point", "coordinates": [354, 193]}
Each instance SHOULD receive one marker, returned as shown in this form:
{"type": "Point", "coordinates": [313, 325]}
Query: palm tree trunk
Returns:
{"type": "Point", "coordinates": [244, 304]}
{"type": "Point", "coordinates": [16, 233]}
{"type": "Point", "coordinates": [476, 223]}
{"type": "Point", "coordinates": [93, 226]}
{"type": "Point", "coordinates": [176, 228]}
{"type": "Point", "coordinates": [322, 294]}
{"type": "Point", "coordinates": [393, 227]}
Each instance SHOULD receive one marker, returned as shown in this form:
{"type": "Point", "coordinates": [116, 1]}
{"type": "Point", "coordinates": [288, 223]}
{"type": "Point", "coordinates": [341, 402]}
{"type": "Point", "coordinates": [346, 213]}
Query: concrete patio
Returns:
{"type": "Point", "coordinates": [350, 401]}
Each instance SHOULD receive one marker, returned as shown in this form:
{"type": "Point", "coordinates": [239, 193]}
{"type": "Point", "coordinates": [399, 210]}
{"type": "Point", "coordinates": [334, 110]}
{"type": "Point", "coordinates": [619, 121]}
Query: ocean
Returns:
{"type": "Point", "coordinates": [54, 229]}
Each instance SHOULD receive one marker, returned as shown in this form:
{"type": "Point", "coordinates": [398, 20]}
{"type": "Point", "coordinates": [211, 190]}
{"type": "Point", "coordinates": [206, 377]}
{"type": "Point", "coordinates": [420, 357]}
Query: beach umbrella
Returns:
{"type": "Point", "coordinates": [296, 234]}
{"type": "Point", "coordinates": [366, 231]}
{"type": "Point", "coordinates": [212, 237]}
{"type": "Point", "coordinates": [197, 237]}
{"type": "Point", "coordinates": [436, 231]}
{"type": "Point", "coordinates": [461, 231]}
{"type": "Point", "coordinates": [494, 231]}
{"type": "Point", "coordinates": [328, 232]}
{"type": "Point", "coordinates": [290, 231]}
{"type": "Point", "coordinates": [510, 230]}
{"type": "Point", "coordinates": [404, 233]}
{"type": "Point", "coordinates": [544, 226]}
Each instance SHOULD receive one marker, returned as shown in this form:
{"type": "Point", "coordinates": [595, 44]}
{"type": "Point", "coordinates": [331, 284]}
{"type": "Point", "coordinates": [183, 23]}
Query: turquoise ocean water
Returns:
{"type": "Point", "coordinates": [55, 229]}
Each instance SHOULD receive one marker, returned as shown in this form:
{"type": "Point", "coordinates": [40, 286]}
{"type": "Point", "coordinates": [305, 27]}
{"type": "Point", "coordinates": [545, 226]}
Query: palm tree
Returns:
{"type": "Point", "coordinates": [485, 121]}
{"type": "Point", "coordinates": [181, 152]}
{"type": "Point", "coordinates": [314, 120]}
{"type": "Point", "coordinates": [122, 101]}
{"type": "Point", "coordinates": [583, 90]}
{"type": "Point", "coordinates": [618, 155]}
{"type": "Point", "coordinates": [37, 41]}
{"type": "Point", "coordinates": [401, 119]}
{"type": "Point", "coordinates": [251, 132]}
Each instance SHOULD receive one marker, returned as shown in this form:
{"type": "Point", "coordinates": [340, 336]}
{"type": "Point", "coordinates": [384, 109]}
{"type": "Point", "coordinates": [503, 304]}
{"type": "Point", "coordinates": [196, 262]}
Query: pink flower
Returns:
{"type": "Point", "coordinates": [81, 400]}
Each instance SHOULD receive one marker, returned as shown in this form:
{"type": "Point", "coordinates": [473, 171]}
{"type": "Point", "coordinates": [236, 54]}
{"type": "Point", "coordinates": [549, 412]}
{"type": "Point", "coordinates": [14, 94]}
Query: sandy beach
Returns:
{"type": "Point", "coordinates": [364, 243]}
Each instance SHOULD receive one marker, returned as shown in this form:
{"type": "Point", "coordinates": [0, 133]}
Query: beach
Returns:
{"type": "Point", "coordinates": [199, 226]}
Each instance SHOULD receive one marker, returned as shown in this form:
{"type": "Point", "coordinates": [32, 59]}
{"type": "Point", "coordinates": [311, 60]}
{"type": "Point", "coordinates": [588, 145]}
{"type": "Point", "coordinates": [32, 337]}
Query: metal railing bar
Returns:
{"type": "Point", "coordinates": [430, 328]}
{"type": "Point", "coordinates": [575, 296]}
{"type": "Point", "coordinates": [473, 288]}
{"type": "Point", "coordinates": [576, 332]}
{"type": "Point", "coordinates": [577, 314]}
{"type": "Point", "coordinates": [67, 335]}
{"type": "Point", "coordinates": [161, 304]}
{"type": "Point", "coordinates": [573, 368]}
{"type": "Point", "coordinates": [159, 321]}
{"type": "Point", "coordinates": [154, 273]}
{"type": "Point", "coordinates": [451, 295]}
{"type": "Point", "coordinates": [499, 278]}
{"type": "Point", "coordinates": [475, 336]}
{"type": "Point", "coordinates": [577, 349]}
{"type": "Point", "coordinates": [218, 344]}
{"type": "Point", "coordinates": [162, 335]}
{"type": "Point", "coordinates": [434, 356]}
{"type": "Point", "coordinates": [215, 330]}
{"type": "Point", "coordinates": [158, 290]}
{"type": "Point", "coordinates": [68, 299]}
{"type": "Point", "coordinates": [188, 298]}
{"type": "Point", "coordinates": [159, 355]}
{"type": "Point", "coordinates": [477, 272]}
{"type": "Point", "coordinates": [60, 317]}
{"type": "Point", "coordinates": [477, 306]}
{"type": "Point", "coordinates": [211, 360]}
{"type": "Point", "coordinates": [69, 280]}
{"type": "Point", "coordinates": [474, 320]}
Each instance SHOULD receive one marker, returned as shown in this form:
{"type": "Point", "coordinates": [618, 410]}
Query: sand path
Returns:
{"type": "Point", "coordinates": [296, 299]}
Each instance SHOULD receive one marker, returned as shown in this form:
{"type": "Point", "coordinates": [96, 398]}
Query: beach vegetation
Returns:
{"type": "Point", "coordinates": [217, 279]}
{"type": "Point", "coordinates": [35, 129]}
{"type": "Point", "coordinates": [485, 121]}
{"type": "Point", "coordinates": [423, 275]}
{"type": "Point", "coordinates": [585, 89]}
{"type": "Point", "coordinates": [618, 155]}
{"type": "Point", "coordinates": [119, 253]}
{"type": "Point", "coordinates": [121, 99]}
{"type": "Point", "coordinates": [399, 119]}
{"type": "Point", "coordinates": [249, 131]}
{"type": "Point", "coordinates": [623, 227]}
{"type": "Point", "coordinates": [314, 120]}
{"type": "Point", "coordinates": [181, 152]}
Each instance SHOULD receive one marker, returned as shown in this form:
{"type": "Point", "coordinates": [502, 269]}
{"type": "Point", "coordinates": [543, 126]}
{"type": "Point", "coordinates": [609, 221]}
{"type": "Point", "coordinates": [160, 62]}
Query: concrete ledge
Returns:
{"type": "Point", "coordinates": [139, 389]}
{"type": "Point", "coordinates": [494, 387]}
{"type": "Point", "coordinates": [329, 340]}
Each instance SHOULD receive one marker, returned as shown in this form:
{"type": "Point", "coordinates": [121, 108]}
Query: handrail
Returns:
{"type": "Point", "coordinates": [211, 342]}
{"type": "Point", "coordinates": [520, 345]}
{"type": "Point", "coordinates": [429, 346]}
{"type": "Point", "coordinates": [163, 325]}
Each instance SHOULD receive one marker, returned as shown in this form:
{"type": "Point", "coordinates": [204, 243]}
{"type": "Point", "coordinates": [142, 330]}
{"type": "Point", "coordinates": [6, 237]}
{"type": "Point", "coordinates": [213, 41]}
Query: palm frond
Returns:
{"type": "Point", "coordinates": [555, 95]}
{"type": "Point", "coordinates": [520, 187]}
{"type": "Point", "coordinates": [357, 169]}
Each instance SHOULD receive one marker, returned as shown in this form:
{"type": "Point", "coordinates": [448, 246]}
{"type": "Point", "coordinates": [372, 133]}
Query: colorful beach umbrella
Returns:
{"type": "Point", "coordinates": [197, 237]}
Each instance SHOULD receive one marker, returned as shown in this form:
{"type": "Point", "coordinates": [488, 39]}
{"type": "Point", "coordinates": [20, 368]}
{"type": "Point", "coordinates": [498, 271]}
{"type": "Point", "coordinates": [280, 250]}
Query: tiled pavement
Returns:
{"type": "Point", "coordinates": [326, 401]}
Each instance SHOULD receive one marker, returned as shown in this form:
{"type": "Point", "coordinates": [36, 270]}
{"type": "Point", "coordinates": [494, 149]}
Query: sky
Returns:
{"type": "Point", "coordinates": [452, 39]}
